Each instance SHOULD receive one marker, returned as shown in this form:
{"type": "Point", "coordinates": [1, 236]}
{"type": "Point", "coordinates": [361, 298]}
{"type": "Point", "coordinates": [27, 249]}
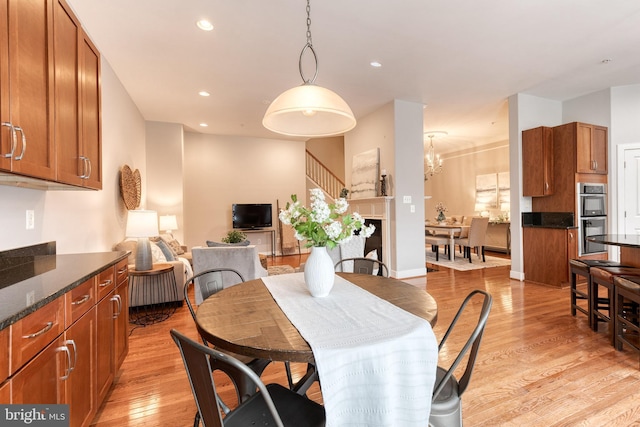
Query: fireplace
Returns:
{"type": "Point", "coordinates": [376, 211]}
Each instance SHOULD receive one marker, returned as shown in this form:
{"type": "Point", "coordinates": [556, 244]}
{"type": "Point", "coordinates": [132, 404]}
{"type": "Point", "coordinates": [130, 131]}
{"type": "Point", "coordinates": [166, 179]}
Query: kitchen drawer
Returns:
{"type": "Point", "coordinates": [122, 272]}
{"type": "Point", "coordinates": [106, 282]}
{"type": "Point", "coordinates": [79, 300]}
{"type": "Point", "coordinates": [31, 334]}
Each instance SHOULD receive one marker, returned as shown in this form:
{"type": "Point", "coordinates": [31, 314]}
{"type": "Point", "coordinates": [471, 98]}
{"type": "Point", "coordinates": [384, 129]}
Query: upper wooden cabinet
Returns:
{"type": "Point", "coordinates": [537, 162]}
{"type": "Point", "coordinates": [591, 144]}
{"type": "Point", "coordinates": [26, 88]}
{"type": "Point", "coordinates": [49, 95]}
{"type": "Point", "coordinates": [77, 102]}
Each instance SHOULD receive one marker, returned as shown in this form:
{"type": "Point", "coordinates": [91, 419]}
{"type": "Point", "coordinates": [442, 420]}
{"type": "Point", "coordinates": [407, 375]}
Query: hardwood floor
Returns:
{"type": "Point", "coordinates": [537, 364]}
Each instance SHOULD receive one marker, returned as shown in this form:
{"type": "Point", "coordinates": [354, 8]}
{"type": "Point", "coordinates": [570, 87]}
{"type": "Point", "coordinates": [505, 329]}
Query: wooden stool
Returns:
{"type": "Point", "coordinates": [581, 267]}
{"type": "Point", "coordinates": [627, 301]}
{"type": "Point", "coordinates": [603, 276]}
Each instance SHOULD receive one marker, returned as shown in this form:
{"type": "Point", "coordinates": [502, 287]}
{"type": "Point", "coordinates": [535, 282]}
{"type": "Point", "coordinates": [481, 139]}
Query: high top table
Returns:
{"type": "Point", "coordinates": [629, 246]}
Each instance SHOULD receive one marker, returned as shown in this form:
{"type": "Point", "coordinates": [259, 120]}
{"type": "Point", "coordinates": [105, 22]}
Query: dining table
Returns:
{"type": "Point", "coordinates": [276, 318]}
{"type": "Point", "coordinates": [446, 229]}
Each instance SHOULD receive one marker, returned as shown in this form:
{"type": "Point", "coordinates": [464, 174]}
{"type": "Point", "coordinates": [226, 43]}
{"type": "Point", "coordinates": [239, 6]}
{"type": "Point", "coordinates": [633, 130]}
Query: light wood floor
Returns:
{"type": "Point", "coordinates": [538, 365]}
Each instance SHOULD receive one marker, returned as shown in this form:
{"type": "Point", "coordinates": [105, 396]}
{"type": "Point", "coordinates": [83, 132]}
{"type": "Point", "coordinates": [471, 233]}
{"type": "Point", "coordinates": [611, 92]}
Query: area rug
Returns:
{"type": "Point", "coordinates": [463, 264]}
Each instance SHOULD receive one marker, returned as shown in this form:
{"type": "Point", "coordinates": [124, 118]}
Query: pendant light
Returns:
{"type": "Point", "coordinates": [309, 110]}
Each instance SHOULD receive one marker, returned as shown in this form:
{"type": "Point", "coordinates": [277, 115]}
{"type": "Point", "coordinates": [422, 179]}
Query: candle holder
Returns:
{"type": "Point", "coordinates": [383, 185]}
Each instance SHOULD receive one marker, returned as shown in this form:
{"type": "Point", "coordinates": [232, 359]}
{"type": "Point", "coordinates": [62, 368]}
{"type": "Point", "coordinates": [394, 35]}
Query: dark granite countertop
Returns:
{"type": "Point", "coordinates": [53, 276]}
{"type": "Point", "coordinates": [627, 240]}
{"type": "Point", "coordinates": [563, 220]}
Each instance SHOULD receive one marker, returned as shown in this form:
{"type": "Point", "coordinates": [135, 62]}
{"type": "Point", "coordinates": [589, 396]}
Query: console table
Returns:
{"type": "Point", "coordinates": [498, 237]}
{"type": "Point", "coordinates": [272, 236]}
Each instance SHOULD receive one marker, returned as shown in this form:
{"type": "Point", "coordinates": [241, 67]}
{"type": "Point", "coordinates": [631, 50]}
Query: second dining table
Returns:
{"type": "Point", "coordinates": [248, 319]}
{"type": "Point", "coordinates": [447, 229]}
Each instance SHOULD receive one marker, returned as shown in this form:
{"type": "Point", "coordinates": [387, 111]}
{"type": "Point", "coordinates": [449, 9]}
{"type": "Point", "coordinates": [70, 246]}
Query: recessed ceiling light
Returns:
{"type": "Point", "coordinates": [203, 125]}
{"type": "Point", "coordinates": [204, 93]}
{"type": "Point", "coordinates": [606, 61]}
{"type": "Point", "coordinates": [376, 64]}
{"type": "Point", "coordinates": [205, 25]}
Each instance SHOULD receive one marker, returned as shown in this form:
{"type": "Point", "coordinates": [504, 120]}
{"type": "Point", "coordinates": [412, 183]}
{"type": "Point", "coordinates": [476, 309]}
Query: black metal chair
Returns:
{"type": "Point", "coordinates": [270, 405]}
{"type": "Point", "coordinates": [446, 403]}
{"type": "Point", "coordinates": [363, 265]}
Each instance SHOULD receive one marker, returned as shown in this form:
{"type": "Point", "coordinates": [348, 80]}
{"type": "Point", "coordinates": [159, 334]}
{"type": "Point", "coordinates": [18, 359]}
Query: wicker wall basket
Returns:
{"type": "Point", "coordinates": [130, 187]}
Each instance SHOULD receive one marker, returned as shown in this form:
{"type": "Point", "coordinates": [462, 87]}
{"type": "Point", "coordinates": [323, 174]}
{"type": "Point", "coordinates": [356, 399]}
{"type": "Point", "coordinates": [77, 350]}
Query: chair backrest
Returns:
{"type": "Point", "coordinates": [471, 345]}
{"type": "Point", "coordinates": [478, 231]}
{"type": "Point", "coordinates": [209, 282]}
{"type": "Point", "coordinates": [362, 265]}
{"type": "Point", "coordinates": [198, 360]}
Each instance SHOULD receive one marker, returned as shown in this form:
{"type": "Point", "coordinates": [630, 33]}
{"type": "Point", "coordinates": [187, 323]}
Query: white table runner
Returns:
{"type": "Point", "coordinates": [376, 362]}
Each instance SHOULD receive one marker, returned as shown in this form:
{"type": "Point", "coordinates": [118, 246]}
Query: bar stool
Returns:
{"type": "Point", "coordinates": [581, 267]}
{"type": "Point", "coordinates": [627, 301]}
{"type": "Point", "coordinates": [603, 276]}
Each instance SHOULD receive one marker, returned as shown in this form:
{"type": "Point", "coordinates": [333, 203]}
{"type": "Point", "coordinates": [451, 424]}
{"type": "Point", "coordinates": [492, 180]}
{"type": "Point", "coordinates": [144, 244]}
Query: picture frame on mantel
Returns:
{"type": "Point", "coordinates": [365, 170]}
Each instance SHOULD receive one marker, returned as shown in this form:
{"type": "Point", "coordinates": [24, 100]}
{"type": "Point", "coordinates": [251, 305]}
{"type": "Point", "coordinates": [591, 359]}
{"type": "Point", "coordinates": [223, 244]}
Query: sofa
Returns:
{"type": "Point", "coordinates": [181, 266]}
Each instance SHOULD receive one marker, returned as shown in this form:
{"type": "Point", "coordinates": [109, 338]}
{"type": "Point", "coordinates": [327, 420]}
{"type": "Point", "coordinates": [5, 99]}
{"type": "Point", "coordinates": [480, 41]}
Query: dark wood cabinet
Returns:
{"type": "Point", "coordinates": [591, 143]}
{"type": "Point", "coordinates": [547, 254]}
{"type": "Point", "coordinates": [26, 88]}
{"type": "Point", "coordinates": [537, 162]}
{"type": "Point", "coordinates": [121, 326]}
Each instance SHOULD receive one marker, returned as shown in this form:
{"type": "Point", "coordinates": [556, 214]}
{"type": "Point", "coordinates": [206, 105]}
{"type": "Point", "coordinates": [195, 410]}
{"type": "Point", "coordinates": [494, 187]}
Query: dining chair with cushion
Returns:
{"type": "Point", "coordinates": [362, 265]}
{"type": "Point", "coordinates": [435, 241]}
{"type": "Point", "coordinates": [271, 405]}
{"type": "Point", "coordinates": [476, 237]}
{"type": "Point", "coordinates": [446, 403]}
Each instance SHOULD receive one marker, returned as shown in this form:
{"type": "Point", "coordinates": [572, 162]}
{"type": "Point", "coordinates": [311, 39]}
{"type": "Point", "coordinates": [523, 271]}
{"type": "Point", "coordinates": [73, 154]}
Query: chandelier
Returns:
{"type": "Point", "coordinates": [433, 162]}
{"type": "Point", "coordinates": [309, 110]}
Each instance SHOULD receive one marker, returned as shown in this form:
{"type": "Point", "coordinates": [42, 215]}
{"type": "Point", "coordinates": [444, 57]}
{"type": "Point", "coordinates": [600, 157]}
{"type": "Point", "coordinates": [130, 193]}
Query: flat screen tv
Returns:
{"type": "Point", "coordinates": [251, 216]}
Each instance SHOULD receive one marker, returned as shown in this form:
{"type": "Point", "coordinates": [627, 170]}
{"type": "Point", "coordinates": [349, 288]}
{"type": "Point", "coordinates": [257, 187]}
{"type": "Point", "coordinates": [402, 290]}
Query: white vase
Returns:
{"type": "Point", "coordinates": [319, 273]}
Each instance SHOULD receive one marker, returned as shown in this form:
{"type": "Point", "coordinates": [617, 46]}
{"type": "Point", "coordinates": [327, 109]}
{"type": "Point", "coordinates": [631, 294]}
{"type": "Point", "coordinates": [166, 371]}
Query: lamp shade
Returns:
{"type": "Point", "coordinates": [168, 223]}
{"type": "Point", "coordinates": [142, 223]}
{"type": "Point", "coordinates": [309, 111]}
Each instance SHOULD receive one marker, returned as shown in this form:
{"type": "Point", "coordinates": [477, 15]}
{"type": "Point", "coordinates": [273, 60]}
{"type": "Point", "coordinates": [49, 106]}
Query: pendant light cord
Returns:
{"type": "Point", "coordinates": [308, 46]}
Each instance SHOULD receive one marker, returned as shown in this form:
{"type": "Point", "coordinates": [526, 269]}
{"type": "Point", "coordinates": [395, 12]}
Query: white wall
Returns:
{"type": "Point", "coordinates": [222, 170]}
{"type": "Point", "coordinates": [82, 221]}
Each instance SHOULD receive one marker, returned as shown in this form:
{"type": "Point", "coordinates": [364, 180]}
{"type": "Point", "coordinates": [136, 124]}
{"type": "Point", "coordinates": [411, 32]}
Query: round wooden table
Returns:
{"type": "Point", "coordinates": [245, 319]}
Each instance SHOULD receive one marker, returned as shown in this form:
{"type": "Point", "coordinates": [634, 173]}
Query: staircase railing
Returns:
{"type": "Point", "coordinates": [323, 177]}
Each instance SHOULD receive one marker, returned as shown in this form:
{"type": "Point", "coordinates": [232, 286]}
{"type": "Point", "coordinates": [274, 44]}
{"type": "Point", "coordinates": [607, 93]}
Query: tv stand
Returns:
{"type": "Point", "coordinates": [272, 236]}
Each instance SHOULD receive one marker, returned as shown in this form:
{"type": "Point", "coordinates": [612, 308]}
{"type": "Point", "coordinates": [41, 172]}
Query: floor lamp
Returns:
{"type": "Point", "coordinates": [143, 224]}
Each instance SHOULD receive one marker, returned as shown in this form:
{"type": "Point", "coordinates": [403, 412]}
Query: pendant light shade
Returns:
{"type": "Point", "coordinates": [309, 110]}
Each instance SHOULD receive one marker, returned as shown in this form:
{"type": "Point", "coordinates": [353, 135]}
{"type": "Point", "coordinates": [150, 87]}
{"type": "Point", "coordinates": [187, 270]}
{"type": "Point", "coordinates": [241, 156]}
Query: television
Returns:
{"type": "Point", "coordinates": [251, 216]}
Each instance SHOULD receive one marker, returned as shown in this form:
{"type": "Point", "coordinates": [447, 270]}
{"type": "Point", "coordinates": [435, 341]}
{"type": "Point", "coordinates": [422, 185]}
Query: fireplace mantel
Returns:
{"type": "Point", "coordinates": [378, 208]}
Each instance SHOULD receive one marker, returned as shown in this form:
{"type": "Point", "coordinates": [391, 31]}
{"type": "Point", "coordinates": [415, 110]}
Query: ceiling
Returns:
{"type": "Point", "coordinates": [462, 59]}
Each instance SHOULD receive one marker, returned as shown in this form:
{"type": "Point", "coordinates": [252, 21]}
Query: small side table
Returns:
{"type": "Point", "coordinates": [154, 294]}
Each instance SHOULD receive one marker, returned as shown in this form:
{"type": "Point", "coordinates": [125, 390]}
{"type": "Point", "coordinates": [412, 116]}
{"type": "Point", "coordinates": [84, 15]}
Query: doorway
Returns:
{"type": "Point", "coordinates": [628, 196]}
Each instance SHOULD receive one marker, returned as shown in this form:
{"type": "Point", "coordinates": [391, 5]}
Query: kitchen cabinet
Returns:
{"type": "Point", "coordinates": [591, 143]}
{"type": "Point", "coordinates": [105, 335]}
{"type": "Point", "coordinates": [26, 88]}
{"type": "Point", "coordinates": [80, 386]}
{"type": "Point", "coordinates": [77, 102]}
{"type": "Point", "coordinates": [537, 162]}
{"type": "Point", "coordinates": [121, 327]}
{"type": "Point", "coordinates": [547, 253]}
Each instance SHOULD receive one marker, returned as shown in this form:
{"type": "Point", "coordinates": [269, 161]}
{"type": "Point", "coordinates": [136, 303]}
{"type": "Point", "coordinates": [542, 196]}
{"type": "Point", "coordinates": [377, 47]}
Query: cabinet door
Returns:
{"type": "Point", "coordinates": [537, 162]}
{"type": "Point", "coordinates": [591, 148]}
{"type": "Point", "coordinates": [91, 113]}
{"type": "Point", "coordinates": [40, 381]}
{"type": "Point", "coordinates": [105, 366]}
{"type": "Point", "coordinates": [5, 117]}
{"type": "Point", "coordinates": [67, 95]}
{"type": "Point", "coordinates": [31, 86]}
{"type": "Point", "coordinates": [599, 149]}
{"type": "Point", "coordinates": [121, 331]}
{"type": "Point", "coordinates": [80, 387]}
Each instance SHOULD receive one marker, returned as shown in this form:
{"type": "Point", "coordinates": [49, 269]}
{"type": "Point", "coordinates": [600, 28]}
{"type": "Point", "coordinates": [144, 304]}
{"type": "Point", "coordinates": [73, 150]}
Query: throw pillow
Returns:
{"type": "Point", "coordinates": [168, 253]}
{"type": "Point", "coordinates": [172, 243]}
{"type": "Point", "coordinates": [213, 244]}
{"type": "Point", "coordinates": [373, 255]}
{"type": "Point", "coordinates": [156, 253]}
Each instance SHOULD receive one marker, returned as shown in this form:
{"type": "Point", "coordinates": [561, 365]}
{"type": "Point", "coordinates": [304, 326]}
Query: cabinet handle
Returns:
{"type": "Point", "coordinates": [118, 300]}
{"type": "Point", "coordinates": [86, 167]}
{"type": "Point", "coordinates": [105, 283]}
{"type": "Point", "coordinates": [24, 142]}
{"type": "Point", "coordinates": [82, 300]}
{"type": "Point", "coordinates": [70, 366]}
{"type": "Point", "coordinates": [546, 185]}
{"type": "Point", "coordinates": [595, 165]}
{"type": "Point", "coordinates": [13, 140]}
{"type": "Point", "coordinates": [89, 168]}
{"type": "Point", "coordinates": [47, 327]}
{"type": "Point", "coordinates": [122, 270]}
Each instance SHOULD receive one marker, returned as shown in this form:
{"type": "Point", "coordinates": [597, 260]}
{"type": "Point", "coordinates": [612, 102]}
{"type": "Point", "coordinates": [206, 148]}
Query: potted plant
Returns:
{"type": "Point", "coordinates": [234, 236]}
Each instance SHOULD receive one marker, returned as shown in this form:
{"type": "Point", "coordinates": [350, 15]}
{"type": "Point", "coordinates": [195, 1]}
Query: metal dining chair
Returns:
{"type": "Point", "coordinates": [446, 403]}
{"type": "Point", "coordinates": [363, 265]}
{"type": "Point", "coordinates": [271, 405]}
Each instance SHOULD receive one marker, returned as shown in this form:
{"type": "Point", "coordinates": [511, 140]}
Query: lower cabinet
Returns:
{"type": "Point", "coordinates": [546, 254]}
{"type": "Point", "coordinates": [77, 365]}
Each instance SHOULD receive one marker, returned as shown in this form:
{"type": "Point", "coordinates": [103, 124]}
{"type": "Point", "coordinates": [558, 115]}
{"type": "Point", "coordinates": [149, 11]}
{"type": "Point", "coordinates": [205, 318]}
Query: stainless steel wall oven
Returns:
{"type": "Point", "coordinates": [592, 216]}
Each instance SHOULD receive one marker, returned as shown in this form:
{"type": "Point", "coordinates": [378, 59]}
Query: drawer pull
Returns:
{"type": "Point", "coordinates": [122, 270]}
{"type": "Point", "coordinates": [82, 300]}
{"type": "Point", "coordinates": [48, 326]}
{"type": "Point", "coordinates": [105, 283]}
{"type": "Point", "coordinates": [118, 301]}
{"type": "Point", "coordinates": [70, 366]}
